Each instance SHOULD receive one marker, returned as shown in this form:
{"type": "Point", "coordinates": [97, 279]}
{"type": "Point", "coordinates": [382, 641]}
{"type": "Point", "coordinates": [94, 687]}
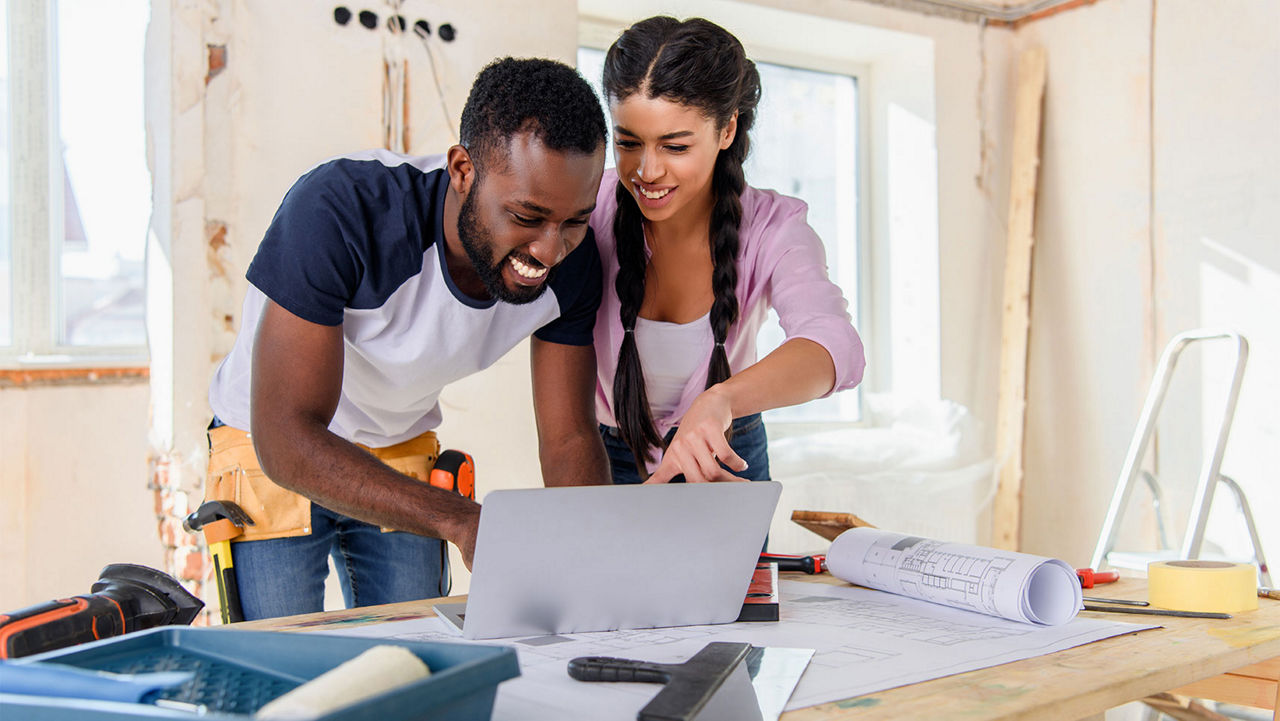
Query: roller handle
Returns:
{"type": "Point", "coordinates": [606, 668]}
{"type": "Point", "coordinates": [49, 679]}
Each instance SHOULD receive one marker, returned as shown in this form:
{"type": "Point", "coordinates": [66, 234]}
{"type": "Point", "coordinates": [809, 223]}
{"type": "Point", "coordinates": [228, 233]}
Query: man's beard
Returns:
{"type": "Point", "coordinates": [477, 241]}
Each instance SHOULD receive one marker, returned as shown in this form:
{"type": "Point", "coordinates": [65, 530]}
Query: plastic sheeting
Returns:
{"type": "Point", "coordinates": [920, 467]}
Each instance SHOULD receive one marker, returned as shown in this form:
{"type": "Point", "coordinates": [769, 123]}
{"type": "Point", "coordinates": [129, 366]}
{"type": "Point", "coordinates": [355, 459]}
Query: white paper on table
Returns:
{"type": "Point", "coordinates": [865, 641]}
{"type": "Point", "coordinates": [1008, 584]}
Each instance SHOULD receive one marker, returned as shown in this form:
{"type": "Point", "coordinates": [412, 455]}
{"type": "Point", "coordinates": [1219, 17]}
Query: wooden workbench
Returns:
{"type": "Point", "coordinates": [1071, 684]}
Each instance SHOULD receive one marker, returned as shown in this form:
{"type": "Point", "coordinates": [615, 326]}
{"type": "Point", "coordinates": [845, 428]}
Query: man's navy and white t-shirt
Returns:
{"type": "Point", "coordinates": [359, 241]}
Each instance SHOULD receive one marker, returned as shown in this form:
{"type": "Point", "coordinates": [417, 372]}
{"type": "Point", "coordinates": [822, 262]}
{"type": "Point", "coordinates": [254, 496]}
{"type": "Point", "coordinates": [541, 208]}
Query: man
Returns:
{"type": "Point", "coordinates": [381, 279]}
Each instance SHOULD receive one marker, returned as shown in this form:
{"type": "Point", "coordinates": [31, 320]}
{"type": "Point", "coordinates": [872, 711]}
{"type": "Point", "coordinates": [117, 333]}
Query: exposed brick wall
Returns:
{"type": "Point", "coordinates": [186, 557]}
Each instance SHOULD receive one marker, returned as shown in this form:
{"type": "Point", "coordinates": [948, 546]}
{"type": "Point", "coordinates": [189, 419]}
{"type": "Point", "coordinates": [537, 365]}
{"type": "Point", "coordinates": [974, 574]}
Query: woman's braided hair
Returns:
{"type": "Point", "coordinates": [698, 64]}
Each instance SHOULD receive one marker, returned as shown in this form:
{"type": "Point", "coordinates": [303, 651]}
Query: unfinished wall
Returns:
{"type": "Point", "coordinates": [1157, 213]}
{"type": "Point", "coordinates": [1217, 215]}
{"type": "Point", "coordinates": [73, 479]}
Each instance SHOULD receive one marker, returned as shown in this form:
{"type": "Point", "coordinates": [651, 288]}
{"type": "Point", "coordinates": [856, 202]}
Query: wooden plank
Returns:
{"type": "Point", "coordinates": [1266, 669]}
{"type": "Point", "coordinates": [827, 524]}
{"type": "Point", "coordinates": [1077, 682]}
{"type": "Point", "coordinates": [1016, 322]}
{"type": "Point", "coordinates": [1182, 708]}
{"type": "Point", "coordinates": [1062, 686]}
{"type": "Point", "coordinates": [1233, 688]}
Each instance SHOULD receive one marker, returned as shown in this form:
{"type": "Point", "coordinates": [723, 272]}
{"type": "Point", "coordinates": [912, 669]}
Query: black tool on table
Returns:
{"type": "Point", "coordinates": [722, 682]}
{"type": "Point", "coordinates": [126, 598]}
{"type": "Point", "coordinates": [1154, 611]}
{"type": "Point", "coordinates": [687, 687]}
{"type": "Point", "coordinates": [1117, 601]}
{"type": "Point", "coordinates": [805, 564]}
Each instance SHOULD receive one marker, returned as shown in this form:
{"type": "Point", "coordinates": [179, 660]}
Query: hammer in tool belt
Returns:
{"type": "Point", "coordinates": [221, 521]}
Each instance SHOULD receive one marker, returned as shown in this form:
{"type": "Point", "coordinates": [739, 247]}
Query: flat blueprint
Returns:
{"type": "Point", "coordinates": [864, 641]}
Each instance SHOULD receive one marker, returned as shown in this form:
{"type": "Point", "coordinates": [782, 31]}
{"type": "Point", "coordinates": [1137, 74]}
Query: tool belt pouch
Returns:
{"type": "Point", "coordinates": [414, 458]}
{"type": "Point", "coordinates": [234, 475]}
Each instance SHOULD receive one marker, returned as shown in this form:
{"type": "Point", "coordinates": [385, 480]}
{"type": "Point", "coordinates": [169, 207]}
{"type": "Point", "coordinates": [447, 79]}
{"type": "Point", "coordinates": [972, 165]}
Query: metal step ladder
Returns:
{"type": "Point", "coordinates": [1104, 553]}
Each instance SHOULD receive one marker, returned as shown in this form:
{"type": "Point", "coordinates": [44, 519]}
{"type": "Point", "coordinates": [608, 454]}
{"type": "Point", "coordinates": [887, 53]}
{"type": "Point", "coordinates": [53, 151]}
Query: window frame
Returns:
{"type": "Point", "coordinates": [599, 34]}
{"type": "Point", "coordinates": [36, 202]}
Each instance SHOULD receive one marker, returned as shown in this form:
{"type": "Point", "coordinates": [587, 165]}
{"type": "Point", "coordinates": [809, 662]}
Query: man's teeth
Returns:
{"type": "Point", "coordinates": [654, 195]}
{"type": "Point", "coordinates": [527, 271]}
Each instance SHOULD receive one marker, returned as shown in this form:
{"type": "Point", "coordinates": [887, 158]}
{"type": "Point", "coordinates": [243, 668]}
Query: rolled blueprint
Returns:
{"type": "Point", "coordinates": [1016, 586]}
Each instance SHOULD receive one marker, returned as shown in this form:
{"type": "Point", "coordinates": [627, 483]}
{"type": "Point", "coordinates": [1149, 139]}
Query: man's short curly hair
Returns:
{"type": "Point", "coordinates": [545, 97]}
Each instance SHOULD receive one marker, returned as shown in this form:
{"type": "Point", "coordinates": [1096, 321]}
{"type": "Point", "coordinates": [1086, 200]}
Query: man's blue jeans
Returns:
{"type": "Point", "coordinates": [285, 576]}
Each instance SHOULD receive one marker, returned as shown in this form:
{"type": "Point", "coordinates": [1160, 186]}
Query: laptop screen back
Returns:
{"type": "Point", "coordinates": [602, 558]}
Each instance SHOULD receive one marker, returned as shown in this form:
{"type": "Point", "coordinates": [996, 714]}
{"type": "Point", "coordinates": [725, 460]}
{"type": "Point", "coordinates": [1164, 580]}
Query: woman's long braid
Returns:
{"type": "Point", "coordinates": [727, 183]}
{"type": "Point", "coordinates": [698, 64]}
{"type": "Point", "coordinates": [726, 217]}
{"type": "Point", "coordinates": [631, 402]}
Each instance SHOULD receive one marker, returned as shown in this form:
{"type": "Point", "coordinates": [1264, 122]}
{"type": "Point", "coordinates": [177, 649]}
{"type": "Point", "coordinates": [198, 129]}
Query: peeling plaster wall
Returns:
{"type": "Point", "coordinates": [1110, 290]}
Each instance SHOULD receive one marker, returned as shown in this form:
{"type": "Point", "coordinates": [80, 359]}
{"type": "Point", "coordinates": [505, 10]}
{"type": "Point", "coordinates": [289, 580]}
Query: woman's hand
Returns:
{"type": "Point", "coordinates": [699, 446]}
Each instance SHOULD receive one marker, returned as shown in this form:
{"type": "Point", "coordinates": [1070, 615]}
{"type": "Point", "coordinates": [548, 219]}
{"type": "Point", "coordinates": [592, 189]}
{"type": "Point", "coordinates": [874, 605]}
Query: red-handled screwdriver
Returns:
{"type": "Point", "coordinates": [1090, 578]}
{"type": "Point", "coordinates": [806, 564]}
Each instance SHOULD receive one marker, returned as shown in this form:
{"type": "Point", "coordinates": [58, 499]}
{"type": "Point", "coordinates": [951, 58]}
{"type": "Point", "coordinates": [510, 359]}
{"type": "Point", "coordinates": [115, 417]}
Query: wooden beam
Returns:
{"type": "Point", "coordinates": [1016, 323]}
{"type": "Point", "coordinates": [827, 524]}
{"type": "Point", "coordinates": [1182, 708]}
{"type": "Point", "coordinates": [1257, 685]}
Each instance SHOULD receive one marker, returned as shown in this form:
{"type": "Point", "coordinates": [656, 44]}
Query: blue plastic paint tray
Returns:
{"type": "Point", "coordinates": [237, 672]}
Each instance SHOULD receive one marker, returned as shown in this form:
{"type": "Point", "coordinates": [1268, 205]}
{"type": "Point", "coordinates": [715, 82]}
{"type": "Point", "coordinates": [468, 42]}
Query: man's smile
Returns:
{"type": "Point", "coordinates": [526, 270]}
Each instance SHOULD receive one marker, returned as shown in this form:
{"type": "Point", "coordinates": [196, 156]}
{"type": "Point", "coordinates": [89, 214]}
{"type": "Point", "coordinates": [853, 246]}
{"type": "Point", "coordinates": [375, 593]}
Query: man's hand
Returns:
{"type": "Point", "coordinates": [699, 446]}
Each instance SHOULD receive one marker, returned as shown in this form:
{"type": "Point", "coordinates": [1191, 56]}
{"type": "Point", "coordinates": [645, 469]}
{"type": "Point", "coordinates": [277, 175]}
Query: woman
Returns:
{"type": "Point", "coordinates": [695, 258]}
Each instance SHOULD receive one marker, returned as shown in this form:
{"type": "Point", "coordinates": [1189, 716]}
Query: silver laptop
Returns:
{"type": "Point", "coordinates": [602, 558]}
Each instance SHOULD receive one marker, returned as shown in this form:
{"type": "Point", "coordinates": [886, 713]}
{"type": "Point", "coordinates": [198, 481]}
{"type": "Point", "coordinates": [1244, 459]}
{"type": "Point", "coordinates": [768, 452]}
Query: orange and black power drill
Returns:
{"type": "Point", "coordinates": [455, 471]}
{"type": "Point", "coordinates": [126, 598]}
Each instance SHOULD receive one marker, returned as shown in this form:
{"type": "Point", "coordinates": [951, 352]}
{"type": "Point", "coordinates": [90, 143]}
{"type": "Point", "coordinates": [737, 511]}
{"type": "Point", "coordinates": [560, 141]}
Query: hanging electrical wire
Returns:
{"type": "Point", "coordinates": [423, 31]}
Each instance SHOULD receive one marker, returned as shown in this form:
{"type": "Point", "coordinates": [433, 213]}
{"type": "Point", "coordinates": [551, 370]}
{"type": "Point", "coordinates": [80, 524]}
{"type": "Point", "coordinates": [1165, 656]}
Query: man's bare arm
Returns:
{"type": "Point", "coordinates": [569, 445]}
{"type": "Point", "coordinates": [297, 381]}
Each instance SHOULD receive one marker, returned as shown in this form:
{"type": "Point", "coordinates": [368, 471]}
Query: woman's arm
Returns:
{"type": "Point", "coordinates": [797, 371]}
{"type": "Point", "coordinates": [822, 354]}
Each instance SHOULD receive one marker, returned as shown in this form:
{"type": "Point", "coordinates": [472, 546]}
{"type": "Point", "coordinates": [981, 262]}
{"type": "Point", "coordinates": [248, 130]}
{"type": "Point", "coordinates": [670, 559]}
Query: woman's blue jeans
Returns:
{"type": "Point", "coordinates": [749, 441]}
{"type": "Point", "coordinates": [285, 576]}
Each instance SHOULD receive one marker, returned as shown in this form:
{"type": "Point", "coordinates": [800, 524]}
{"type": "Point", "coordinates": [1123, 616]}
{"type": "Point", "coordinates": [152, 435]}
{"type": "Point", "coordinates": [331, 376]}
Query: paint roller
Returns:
{"type": "Point", "coordinates": [377, 671]}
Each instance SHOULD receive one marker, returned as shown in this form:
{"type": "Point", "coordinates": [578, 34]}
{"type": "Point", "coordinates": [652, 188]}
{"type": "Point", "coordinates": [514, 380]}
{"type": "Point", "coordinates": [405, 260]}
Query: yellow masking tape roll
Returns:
{"type": "Point", "coordinates": [1209, 586]}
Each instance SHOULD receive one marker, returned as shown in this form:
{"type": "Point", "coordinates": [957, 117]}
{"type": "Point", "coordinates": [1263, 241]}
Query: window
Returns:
{"type": "Point", "coordinates": [77, 197]}
{"type": "Point", "coordinates": [805, 144]}
{"type": "Point", "coordinates": [6, 255]}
